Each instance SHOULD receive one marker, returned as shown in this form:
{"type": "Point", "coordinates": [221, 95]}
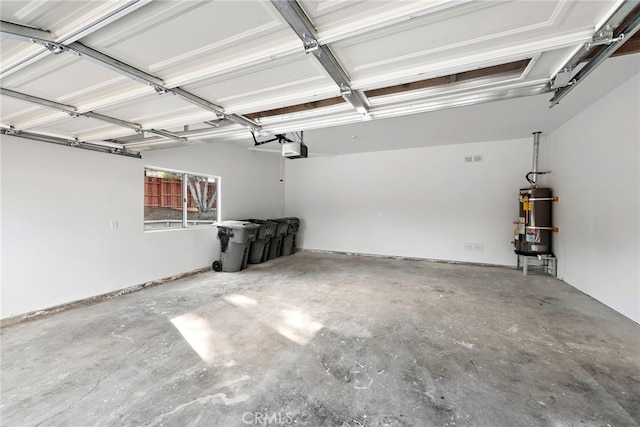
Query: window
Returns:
{"type": "Point", "coordinates": [175, 199]}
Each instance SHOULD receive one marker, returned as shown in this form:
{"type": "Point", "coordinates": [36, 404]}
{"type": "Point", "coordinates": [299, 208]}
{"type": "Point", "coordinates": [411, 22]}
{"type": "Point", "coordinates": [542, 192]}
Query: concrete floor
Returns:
{"type": "Point", "coordinates": [329, 340]}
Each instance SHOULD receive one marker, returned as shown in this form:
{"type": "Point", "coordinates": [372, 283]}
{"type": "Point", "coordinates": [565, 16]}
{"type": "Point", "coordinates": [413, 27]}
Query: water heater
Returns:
{"type": "Point", "coordinates": [535, 227]}
{"type": "Point", "coordinates": [534, 222]}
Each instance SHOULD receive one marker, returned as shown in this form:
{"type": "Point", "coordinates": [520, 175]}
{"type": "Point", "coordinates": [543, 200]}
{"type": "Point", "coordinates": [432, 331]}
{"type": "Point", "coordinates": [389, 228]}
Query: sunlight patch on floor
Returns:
{"type": "Point", "coordinates": [292, 323]}
{"type": "Point", "coordinates": [298, 326]}
{"type": "Point", "coordinates": [198, 333]}
{"type": "Point", "coordinates": [240, 300]}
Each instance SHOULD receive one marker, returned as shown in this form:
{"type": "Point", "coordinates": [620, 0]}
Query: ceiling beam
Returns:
{"type": "Point", "coordinates": [496, 70]}
{"type": "Point", "coordinates": [512, 68]}
{"type": "Point", "coordinates": [302, 26]}
{"type": "Point", "coordinates": [93, 146]}
{"type": "Point", "coordinates": [39, 101]}
{"type": "Point", "coordinates": [203, 103]}
{"type": "Point", "coordinates": [33, 35]}
{"type": "Point", "coordinates": [466, 95]}
{"type": "Point", "coordinates": [73, 112]}
{"type": "Point", "coordinates": [298, 107]}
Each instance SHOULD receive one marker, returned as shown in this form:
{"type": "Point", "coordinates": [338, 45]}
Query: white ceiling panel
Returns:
{"type": "Point", "coordinates": [426, 46]}
{"type": "Point", "coordinates": [153, 108]}
{"type": "Point", "coordinates": [77, 126]}
{"type": "Point", "coordinates": [24, 115]}
{"type": "Point", "coordinates": [12, 109]}
{"type": "Point", "coordinates": [167, 34]}
{"type": "Point", "coordinates": [293, 79]}
{"type": "Point", "coordinates": [183, 42]}
{"type": "Point", "coordinates": [62, 77]}
{"type": "Point", "coordinates": [547, 63]}
{"type": "Point", "coordinates": [12, 49]}
{"type": "Point", "coordinates": [66, 20]}
{"type": "Point", "coordinates": [338, 19]}
{"type": "Point", "coordinates": [48, 15]}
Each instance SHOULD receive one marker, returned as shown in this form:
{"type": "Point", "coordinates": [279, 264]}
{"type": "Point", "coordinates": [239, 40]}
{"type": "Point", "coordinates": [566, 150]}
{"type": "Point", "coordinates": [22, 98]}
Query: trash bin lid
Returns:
{"type": "Point", "coordinates": [267, 228]}
{"type": "Point", "coordinates": [283, 226]}
{"type": "Point", "coordinates": [236, 224]}
{"type": "Point", "coordinates": [237, 231]}
{"type": "Point", "coordinates": [262, 223]}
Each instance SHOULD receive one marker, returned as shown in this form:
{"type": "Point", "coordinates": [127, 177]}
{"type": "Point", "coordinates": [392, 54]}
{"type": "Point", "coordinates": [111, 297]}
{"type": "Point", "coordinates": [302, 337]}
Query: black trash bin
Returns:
{"type": "Point", "coordinates": [289, 240]}
{"type": "Point", "coordinates": [259, 249]}
{"type": "Point", "coordinates": [235, 238]}
{"type": "Point", "coordinates": [275, 248]}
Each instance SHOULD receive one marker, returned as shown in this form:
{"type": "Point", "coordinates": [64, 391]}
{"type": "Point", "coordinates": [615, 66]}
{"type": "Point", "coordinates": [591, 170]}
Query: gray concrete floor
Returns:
{"type": "Point", "coordinates": [329, 340]}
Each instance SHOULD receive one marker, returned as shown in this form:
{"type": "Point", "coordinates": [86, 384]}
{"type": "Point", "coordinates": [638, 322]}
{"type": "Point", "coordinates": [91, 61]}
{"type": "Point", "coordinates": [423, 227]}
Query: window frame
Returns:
{"type": "Point", "coordinates": [184, 223]}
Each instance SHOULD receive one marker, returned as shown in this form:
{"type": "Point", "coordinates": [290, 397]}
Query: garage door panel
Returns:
{"type": "Point", "coordinates": [50, 15]}
{"type": "Point", "coordinates": [150, 108]}
{"type": "Point", "coordinates": [74, 126]}
{"type": "Point", "coordinates": [13, 49]}
{"type": "Point", "coordinates": [330, 18]}
{"type": "Point", "coordinates": [415, 42]}
{"type": "Point", "coordinates": [62, 78]}
{"type": "Point", "coordinates": [14, 109]}
{"type": "Point", "coordinates": [279, 78]}
{"type": "Point", "coordinates": [160, 36]}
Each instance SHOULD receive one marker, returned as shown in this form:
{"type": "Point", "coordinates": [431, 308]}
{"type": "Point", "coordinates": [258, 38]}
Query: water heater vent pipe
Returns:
{"type": "Point", "coordinates": [536, 151]}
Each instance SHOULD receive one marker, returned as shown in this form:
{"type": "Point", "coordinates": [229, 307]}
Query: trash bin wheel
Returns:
{"type": "Point", "coordinates": [216, 266]}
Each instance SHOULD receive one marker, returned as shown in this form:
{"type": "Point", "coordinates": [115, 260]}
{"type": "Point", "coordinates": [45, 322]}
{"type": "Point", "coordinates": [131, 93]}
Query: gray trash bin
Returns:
{"type": "Point", "coordinates": [275, 247]}
{"type": "Point", "coordinates": [235, 238]}
{"type": "Point", "coordinates": [259, 249]}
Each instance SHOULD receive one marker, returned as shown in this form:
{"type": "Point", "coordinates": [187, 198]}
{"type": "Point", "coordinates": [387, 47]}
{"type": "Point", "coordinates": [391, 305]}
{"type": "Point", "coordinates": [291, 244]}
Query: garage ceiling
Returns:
{"type": "Point", "coordinates": [128, 76]}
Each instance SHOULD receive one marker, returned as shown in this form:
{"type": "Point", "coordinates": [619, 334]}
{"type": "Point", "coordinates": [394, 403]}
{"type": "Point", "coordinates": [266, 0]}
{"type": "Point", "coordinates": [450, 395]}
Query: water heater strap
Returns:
{"type": "Point", "coordinates": [554, 229]}
{"type": "Point", "coordinates": [539, 199]}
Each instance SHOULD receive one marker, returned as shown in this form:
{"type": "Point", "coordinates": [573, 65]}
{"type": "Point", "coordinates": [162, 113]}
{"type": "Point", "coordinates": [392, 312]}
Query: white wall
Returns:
{"type": "Point", "coordinates": [423, 202]}
{"type": "Point", "coordinates": [595, 159]}
{"type": "Point", "coordinates": [58, 203]}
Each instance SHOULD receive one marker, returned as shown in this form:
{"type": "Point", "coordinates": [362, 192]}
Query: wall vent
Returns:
{"type": "Point", "coordinates": [473, 158]}
{"type": "Point", "coordinates": [478, 247]}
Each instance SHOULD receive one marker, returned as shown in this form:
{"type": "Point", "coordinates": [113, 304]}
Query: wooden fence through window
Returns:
{"type": "Point", "coordinates": [167, 193]}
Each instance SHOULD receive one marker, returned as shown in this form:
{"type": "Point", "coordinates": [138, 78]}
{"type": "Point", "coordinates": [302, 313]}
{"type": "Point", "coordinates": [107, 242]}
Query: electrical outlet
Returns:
{"type": "Point", "coordinates": [114, 225]}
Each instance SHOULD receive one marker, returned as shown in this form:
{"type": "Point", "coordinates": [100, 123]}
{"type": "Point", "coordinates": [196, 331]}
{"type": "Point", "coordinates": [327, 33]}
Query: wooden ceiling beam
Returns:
{"type": "Point", "coordinates": [512, 67]}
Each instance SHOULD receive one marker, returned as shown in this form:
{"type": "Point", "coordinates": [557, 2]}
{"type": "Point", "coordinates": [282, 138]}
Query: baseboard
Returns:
{"type": "Point", "coordinates": [439, 261]}
{"type": "Point", "coordinates": [14, 320]}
